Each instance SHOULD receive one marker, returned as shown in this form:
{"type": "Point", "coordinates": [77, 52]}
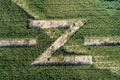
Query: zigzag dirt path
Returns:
{"type": "Point", "coordinates": [42, 59]}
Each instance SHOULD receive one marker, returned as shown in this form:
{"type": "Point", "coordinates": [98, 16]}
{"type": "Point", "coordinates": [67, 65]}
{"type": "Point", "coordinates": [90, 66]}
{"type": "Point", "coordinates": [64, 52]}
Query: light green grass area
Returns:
{"type": "Point", "coordinates": [103, 20]}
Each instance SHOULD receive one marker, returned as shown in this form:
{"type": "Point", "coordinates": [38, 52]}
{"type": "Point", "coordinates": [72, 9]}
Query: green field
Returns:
{"type": "Point", "coordinates": [102, 20]}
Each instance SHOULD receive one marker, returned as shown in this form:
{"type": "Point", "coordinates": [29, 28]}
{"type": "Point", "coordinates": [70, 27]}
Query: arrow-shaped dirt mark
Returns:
{"type": "Point", "coordinates": [44, 59]}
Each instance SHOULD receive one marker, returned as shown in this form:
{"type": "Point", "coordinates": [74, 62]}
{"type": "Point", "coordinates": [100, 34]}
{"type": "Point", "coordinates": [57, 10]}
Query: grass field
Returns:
{"type": "Point", "coordinates": [102, 20]}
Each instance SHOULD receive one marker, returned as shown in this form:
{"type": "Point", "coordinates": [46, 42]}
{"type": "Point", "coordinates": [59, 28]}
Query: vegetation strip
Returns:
{"type": "Point", "coordinates": [17, 42]}
{"type": "Point", "coordinates": [102, 41]}
{"type": "Point", "coordinates": [72, 60]}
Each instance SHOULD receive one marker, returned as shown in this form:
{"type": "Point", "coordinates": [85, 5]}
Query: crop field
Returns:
{"type": "Point", "coordinates": [102, 20]}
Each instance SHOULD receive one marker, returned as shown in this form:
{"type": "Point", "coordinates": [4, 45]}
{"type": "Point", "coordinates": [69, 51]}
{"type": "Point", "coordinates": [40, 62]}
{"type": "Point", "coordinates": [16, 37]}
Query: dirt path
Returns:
{"type": "Point", "coordinates": [58, 43]}
{"type": "Point", "coordinates": [17, 42]}
{"type": "Point", "coordinates": [102, 41]}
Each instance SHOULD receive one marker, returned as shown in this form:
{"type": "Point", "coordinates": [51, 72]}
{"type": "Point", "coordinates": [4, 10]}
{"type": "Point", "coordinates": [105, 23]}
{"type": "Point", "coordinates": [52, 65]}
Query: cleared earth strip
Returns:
{"type": "Point", "coordinates": [101, 41]}
{"type": "Point", "coordinates": [17, 42]}
{"type": "Point", "coordinates": [45, 57]}
{"type": "Point", "coordinates": [51, 23]}
{"type": "Point", "coordinates": [72, 60]}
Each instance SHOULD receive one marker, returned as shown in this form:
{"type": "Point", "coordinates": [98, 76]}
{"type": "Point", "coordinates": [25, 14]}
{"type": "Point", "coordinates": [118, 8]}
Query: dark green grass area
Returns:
{"type": "Point", "coordinates": [65, 9]}
{"type": "Point", "coordinates": [15, 62]}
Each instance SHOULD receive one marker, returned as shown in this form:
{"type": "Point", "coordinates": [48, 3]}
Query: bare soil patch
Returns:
{"type": "Point", "coordinates": [17, 42]}
{"type": "Point", "coordinates": [102, 42]}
